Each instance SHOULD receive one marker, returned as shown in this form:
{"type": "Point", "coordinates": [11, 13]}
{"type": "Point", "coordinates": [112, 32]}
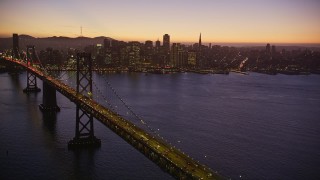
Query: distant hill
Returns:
{"type": "Point", "coordinates": [62, 43]}
{"type": "Point", "coordinates": [54, 42]}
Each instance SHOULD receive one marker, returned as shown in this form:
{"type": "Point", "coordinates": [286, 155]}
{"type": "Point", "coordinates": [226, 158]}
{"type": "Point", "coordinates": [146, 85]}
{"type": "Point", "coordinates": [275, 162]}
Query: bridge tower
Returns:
{"type": "Point", "coordinates": [31, 78]}
{"type": "Point", "coordinates": [15, 46]}
{"type": "Point", "coordinates": [84, 132]}
{"type": "Point", "coordinates": [15, 53]}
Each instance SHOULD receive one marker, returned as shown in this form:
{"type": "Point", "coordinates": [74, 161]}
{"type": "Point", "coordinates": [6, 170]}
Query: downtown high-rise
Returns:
{"type": "Point", "coordinates": [166, 42]}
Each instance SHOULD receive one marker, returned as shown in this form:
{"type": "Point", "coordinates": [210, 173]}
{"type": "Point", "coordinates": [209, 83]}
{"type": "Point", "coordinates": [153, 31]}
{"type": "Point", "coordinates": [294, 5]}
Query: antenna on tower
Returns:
{"type": "Point", "coordinates": [80, 31]}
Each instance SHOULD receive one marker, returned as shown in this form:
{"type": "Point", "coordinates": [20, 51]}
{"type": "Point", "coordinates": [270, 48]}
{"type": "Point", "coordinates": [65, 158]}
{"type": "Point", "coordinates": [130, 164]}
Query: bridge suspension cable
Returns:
{"type": "Point", "coordinates": [68, 78]}
{"type": "Point", "coordinates": [128, 109]}
{"type": "Point", "coordinates": [104, 98]}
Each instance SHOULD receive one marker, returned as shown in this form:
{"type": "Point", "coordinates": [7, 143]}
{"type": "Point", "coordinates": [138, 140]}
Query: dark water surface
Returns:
{"type": "Point", "coordinates": [249, 127]}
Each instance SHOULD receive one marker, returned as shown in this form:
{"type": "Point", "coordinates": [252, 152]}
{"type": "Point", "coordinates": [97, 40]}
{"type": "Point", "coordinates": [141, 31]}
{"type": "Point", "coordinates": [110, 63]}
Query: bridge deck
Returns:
{"type": "Point", "coordinates": [167, 157]}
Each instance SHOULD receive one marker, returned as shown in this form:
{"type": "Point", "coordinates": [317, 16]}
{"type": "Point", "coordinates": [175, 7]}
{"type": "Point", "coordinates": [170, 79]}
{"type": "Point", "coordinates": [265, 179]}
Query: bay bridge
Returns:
{"type": "Point", "coordinates": [167, 157]}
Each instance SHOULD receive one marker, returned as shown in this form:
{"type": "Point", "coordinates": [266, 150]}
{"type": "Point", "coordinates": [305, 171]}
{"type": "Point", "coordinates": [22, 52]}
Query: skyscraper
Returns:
{"type": "Point", "coordinates": [268, 49]}
{"type": "Point", "coordinates": [148, 44]}
{"type": "Point", "coordinates": [133, 48]}
{"type": "Point", "coordinates": [148, 47]}
{"type": "Point", "coordinates": [15, 48]}
{"type": "Point", "coordinates": [273, 50]}
{"type": "Point", "coordinates": [179, 56]}
{"type": "Point", "coordinates": [166, 42]}
{"type": "Point", "coordinates": [199, 54]}
{"type": "Point", "coordinates": [192, 57]}
{"type": "Point", "coordinates": [157, 45]}
{"type": "Point", "coordinates": [174, 54]}
{"type": "Point", "coordinates": [200, 41]}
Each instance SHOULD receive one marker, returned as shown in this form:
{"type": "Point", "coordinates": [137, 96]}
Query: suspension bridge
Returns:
{"type": "Point", "coordinates": [145, 140]}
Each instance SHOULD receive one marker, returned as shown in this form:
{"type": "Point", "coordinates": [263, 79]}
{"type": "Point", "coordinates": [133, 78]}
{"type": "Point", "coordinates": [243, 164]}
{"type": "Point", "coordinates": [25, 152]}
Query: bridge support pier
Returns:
{"type": "Point", "coordinates": [49, 99]}
{"type": "Point", "coordinates": [84, 132]}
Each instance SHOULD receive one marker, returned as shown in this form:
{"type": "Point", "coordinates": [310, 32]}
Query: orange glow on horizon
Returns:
{"type": "Point", "coordinates": [283, 40]}
{"type": "Point", "coordinates": [226, 21]}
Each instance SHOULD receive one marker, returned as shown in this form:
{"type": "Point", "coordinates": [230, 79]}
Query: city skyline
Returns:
{"type": "Point", "coordinates": [222, 22]}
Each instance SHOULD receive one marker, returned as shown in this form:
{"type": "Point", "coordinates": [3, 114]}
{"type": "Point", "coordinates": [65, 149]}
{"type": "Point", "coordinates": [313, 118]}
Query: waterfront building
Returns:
{"type": "Point", "coordinates": [192, 56]}
{"type": "Point", "coordinates": [174, 54]}
{"type": "Point", "coordinates": [148, 51]}
{"type": "Point", "coordinates": [133, 53]}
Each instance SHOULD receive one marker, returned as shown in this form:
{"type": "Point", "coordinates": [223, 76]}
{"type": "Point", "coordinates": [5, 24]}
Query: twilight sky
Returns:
{"type": "Point", "coordinates": [274, 21]}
